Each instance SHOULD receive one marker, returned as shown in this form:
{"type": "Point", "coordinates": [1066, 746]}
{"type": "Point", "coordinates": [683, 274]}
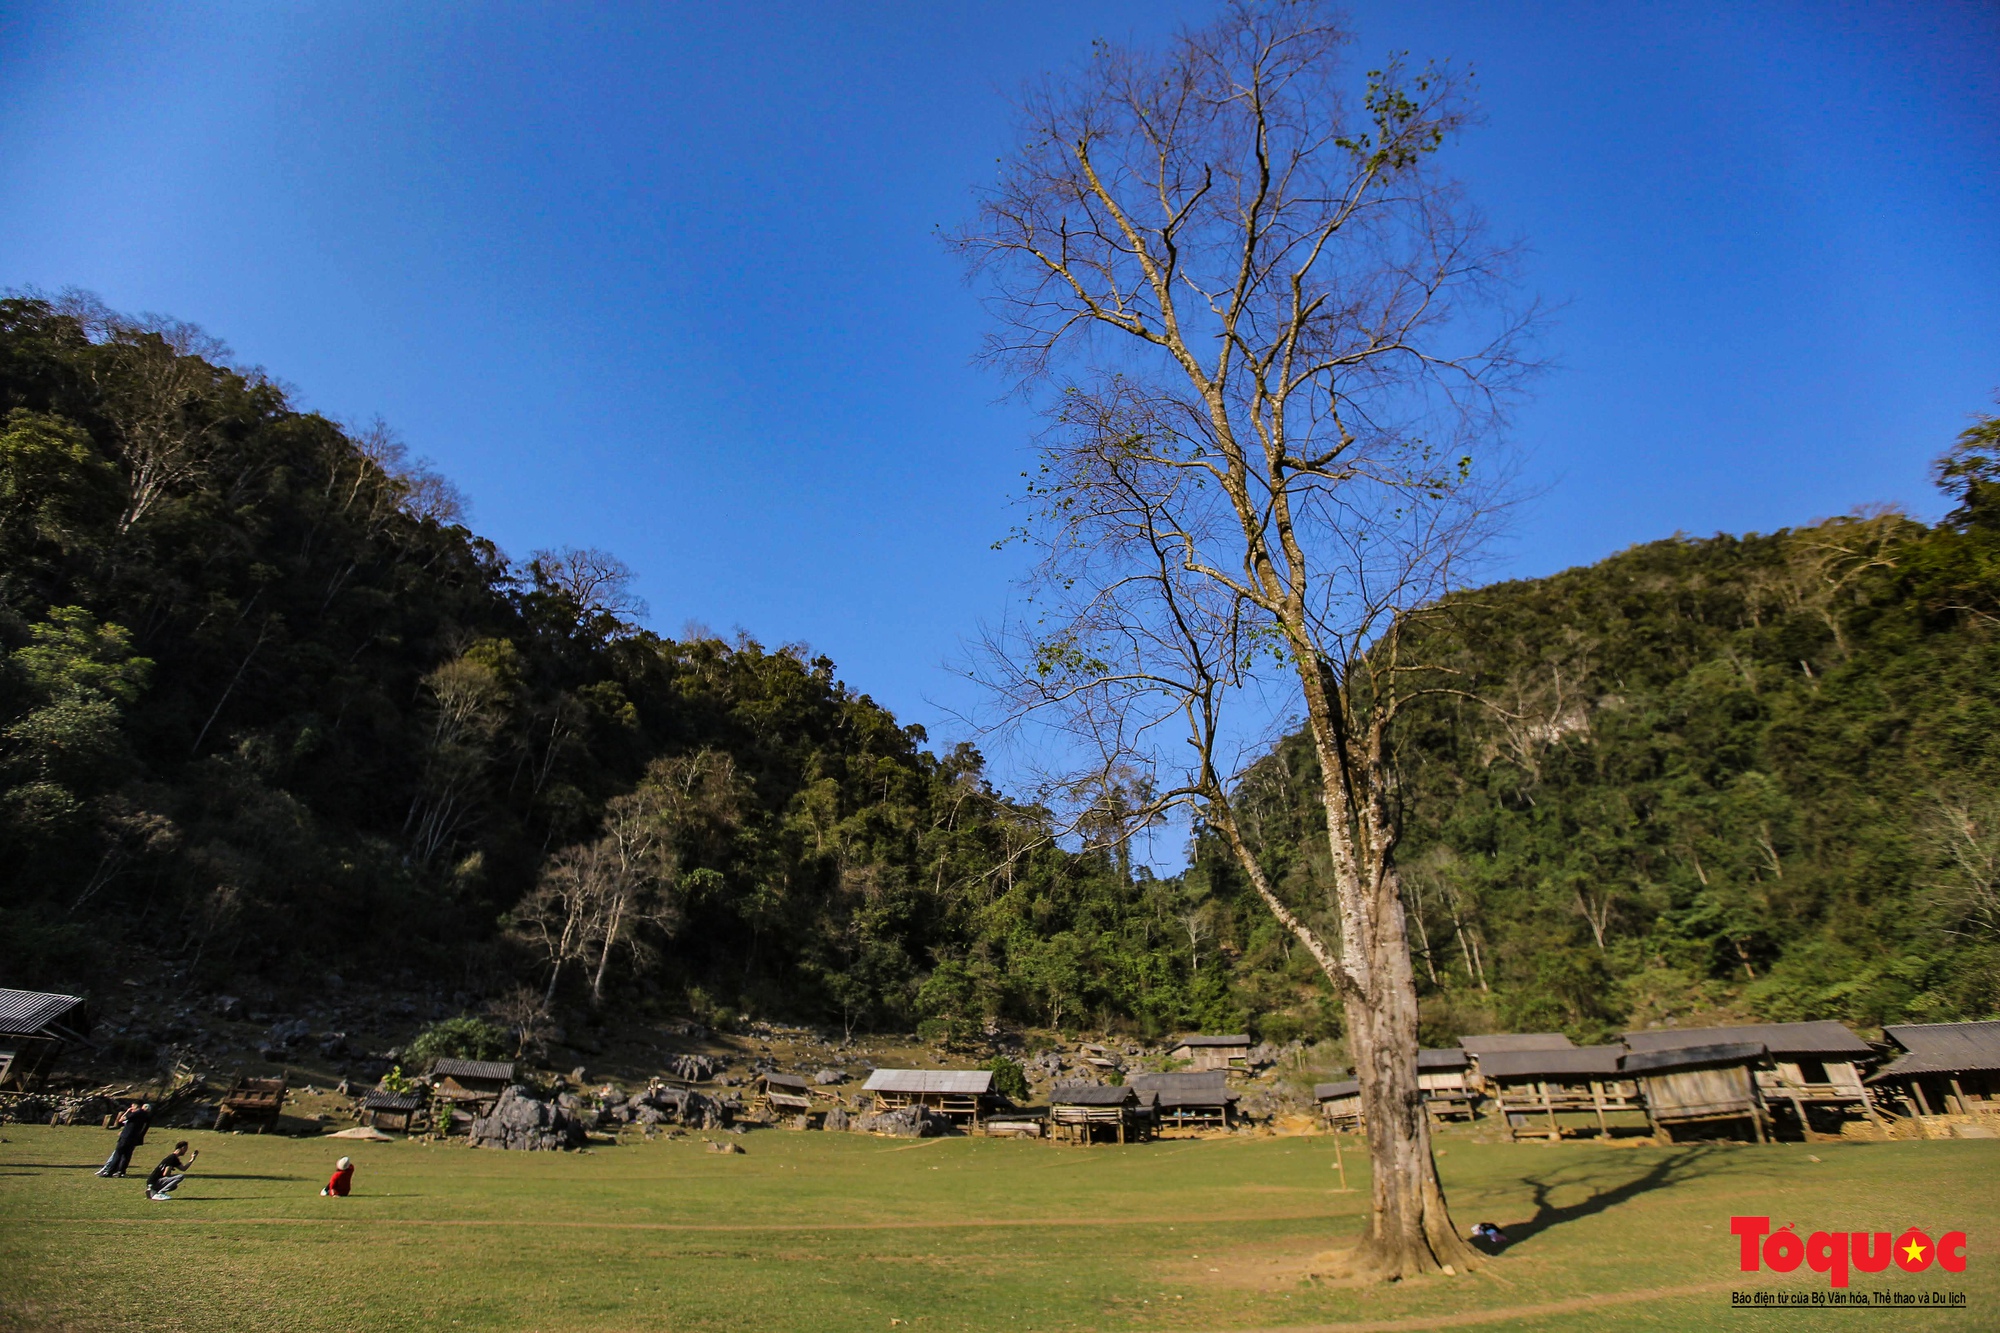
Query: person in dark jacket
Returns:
{"type": "Point", "coordinates": [168, 1175]}
{"type": "Point", "coordinates": [131, 1137]}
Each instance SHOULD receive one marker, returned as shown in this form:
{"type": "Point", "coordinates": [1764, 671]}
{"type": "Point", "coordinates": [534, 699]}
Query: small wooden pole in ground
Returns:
{"type": "Point", "coordinates": [1339, 1164]}
{"type": "Point", "coordinates": [1597, 1101]}
{"type": "Point", "coordinates": [1958, 1094]}
{"type": "Point", "coordinates": [1923, 1103]}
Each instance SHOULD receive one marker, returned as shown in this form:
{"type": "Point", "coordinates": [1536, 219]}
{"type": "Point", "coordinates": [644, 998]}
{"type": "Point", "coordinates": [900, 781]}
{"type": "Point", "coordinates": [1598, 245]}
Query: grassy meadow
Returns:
{"type": "Point", "coordinates": [835, 1232]}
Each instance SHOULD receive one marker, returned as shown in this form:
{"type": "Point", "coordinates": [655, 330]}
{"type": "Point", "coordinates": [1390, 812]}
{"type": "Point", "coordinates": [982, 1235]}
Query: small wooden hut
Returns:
{"type": "Point", "coordinates": [1445, 1079]}
{"type": "Point", "coordinates": [1189, 1099]}
{"type": "Point", "coordinates": [1532, 1088]}
{"type": "Point", "coordinates": [469, 1085]}
{"type": "Point", "coordinates": [396, 1111]}
{"type": "Point", "coordinates": [785, 1094]}
{"type": "Point", "coordinates": [1480, 1045]}
{"type": "Point", "coordinates": [1340, 1105]}
{"type": "Point", "coordinates": [1083, 1111]}
{"type": "Point", "coordinates": [1945, 1067]}
{"type": "Point", "coordinates": [36, 1027]}
{"type": "Point", "coordinates": [1689, 1085]}
{"type": "Point", "coordinates": [1206, 1053]}
{"type": "Point", "coordinates": [962, 1094]}
{"type": "Point", "coordinates": [1811, 1066]}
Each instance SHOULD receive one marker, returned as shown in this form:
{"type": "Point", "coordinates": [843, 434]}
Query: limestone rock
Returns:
{"type": "Point", "coordinates": [521, 1122]}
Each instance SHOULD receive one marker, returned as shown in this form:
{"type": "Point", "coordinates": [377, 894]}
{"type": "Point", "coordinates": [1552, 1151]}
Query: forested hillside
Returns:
{"type": "Point", "coordinates": [1752, 776]}
{"type": "Point", "coordinates": [269, 709]}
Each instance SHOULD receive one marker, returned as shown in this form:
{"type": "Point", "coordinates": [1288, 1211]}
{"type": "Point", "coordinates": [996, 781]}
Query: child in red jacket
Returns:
{"type": "Point", "coordinates": [343, 1178]}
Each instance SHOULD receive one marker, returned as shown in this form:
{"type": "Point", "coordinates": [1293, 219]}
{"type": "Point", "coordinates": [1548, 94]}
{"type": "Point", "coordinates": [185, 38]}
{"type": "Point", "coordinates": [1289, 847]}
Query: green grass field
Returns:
{"type": "Point", "coordinates": [834, 1232]}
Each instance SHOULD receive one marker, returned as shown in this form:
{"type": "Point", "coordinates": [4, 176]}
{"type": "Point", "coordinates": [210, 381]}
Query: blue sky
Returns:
{"type": "Point", "coordinates": [663, 279]}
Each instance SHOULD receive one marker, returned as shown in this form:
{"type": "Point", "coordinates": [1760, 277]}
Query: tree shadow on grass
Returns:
{"type": "Point", "coordinates": [1668, 1171]}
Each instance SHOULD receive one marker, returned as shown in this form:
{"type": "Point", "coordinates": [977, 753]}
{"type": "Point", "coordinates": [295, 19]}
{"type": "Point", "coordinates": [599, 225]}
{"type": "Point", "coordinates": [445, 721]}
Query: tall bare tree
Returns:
{"type": "Point", "coordinates": [1280, 345]}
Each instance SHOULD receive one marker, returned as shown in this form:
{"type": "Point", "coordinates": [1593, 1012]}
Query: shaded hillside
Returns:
{"type": "Point", "coordinates": [1754, 775]}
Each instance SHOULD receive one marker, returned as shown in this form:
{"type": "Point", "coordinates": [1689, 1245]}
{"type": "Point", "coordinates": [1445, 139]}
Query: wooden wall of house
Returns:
{"type": "Point", "coordinates": [1682, 1093]}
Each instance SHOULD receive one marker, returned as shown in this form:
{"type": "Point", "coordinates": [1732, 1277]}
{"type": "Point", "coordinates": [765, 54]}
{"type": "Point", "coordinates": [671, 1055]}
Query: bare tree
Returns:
{"type": "Point", "coordinates": [1281, 344]}
{"type": "Point", "coordinates": [597, 584]}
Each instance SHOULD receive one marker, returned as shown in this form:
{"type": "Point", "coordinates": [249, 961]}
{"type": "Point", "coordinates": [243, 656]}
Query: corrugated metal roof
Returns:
{"type": "Point", "coordinates": [1693, 1057]}
{"type": "Point", "coordinates": [960, 1082]}
{"type": "Point", "coordinates": [1091, 1094]}
{"type": "Point", "coordinates": [1238, 1039]}
{"type": "Point", "coordinates": [1562, 1062]}
{"type": "Point", "coordinates": [1482, 1045]}
{"type": "Point", "coordinates": [1326, 1092]}
{"type": "Point", "coordinates": [1943, 1048]}
{"type": "Point", "coordinates": [26, 1012]}
{"type": "Point", "coordinates": [1451, 1057]}
{"type": "Point", "coordinates": [788, 1081]}
{"type": "Point", "coordinates": [447, 1067]}
{"type": "Point", "coordinates": [1824, 1037]}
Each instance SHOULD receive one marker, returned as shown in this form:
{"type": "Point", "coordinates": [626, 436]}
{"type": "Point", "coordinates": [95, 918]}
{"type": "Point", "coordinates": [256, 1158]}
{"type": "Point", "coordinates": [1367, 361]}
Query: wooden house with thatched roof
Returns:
{"type": "Point", "coordinates": [962, 1094]}
{"type": "Point", "coordinates": [1532, 1088]}
{"type": "Point", "coordinates": [1080, 1112]}
{"type": "Point", "coordinates": [1189, 1100]}
{"type": "Point", "coordinates": [398, 1111]}
{"type": "Point", "coordinates": [1809, 1067]}
{"type": "Point", "coordinates": [1683, 1086]}
{"type": "Point", "coordinates": [785, 1094]}
{"type": "Point", "coordinates": [1944, 1068]}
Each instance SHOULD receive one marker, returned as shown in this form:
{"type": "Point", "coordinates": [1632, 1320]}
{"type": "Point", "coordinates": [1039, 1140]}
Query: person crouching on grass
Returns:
{"type": "Point", "coordinates": [342, 1181]}
{"type": "Point", "coordinates": [169, 1174]}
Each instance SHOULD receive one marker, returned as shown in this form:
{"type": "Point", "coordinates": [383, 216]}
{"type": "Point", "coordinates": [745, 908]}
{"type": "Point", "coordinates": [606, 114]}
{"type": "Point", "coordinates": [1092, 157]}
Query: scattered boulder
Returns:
{"type": "Point", "coordinates": [332, 1044]}
{"type": "Point", "coordinates": [522, 1122]}
{"type": "Point", "coordinates": [683, 1106]}
{"type": "Point", "coordinates": [826, 1076]}
{"type": "Point", "coordinates": [228, 1006]}
{"type": "Point", "coordinates": [694, 1068]}
{"type": "Point", "coordinates": [713, 1146]}
{"type": "Point", "coordinates": [837, 1119]}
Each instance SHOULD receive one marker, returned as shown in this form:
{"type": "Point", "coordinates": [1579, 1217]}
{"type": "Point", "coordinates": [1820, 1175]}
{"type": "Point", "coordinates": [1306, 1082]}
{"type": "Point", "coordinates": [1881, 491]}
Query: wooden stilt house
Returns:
{"type": "Point", "coordinates": [1944, 1068]}
{"type": "Point", "coordinates": [1190, 1100]}
{"type": "Point", "coordinates": [1480, 1045]}
{"type": "Point", "coordinates": [1444, 1077]}
{"type": "Point", "coordinates": [36, 1027]}
{"type": "Point", "coordinates": [1081, 1112]}
{"type": "Point", "coordinates": [1686, 1086]}
{"type": "Point", "coordinates": [464, 1090]}
{"type": "Point", "coordinates": [1812, 1068]}
{"type": "Point", "coordinates": [1340, 1105]}
{"type": "Point", "coordinates": [1531, 1089]}
{"type": "Point", "coordinates": [962, 1094]}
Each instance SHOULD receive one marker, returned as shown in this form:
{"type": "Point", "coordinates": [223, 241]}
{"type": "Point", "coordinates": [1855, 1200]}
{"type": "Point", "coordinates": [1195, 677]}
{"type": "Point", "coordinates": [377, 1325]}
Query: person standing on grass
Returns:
{"type": "Point", "coordinates": [342, 1180]}
{"type": "Point", "coordinates": [131, 1137]}
{"type": "Point", "coordinates": [168, 1175]}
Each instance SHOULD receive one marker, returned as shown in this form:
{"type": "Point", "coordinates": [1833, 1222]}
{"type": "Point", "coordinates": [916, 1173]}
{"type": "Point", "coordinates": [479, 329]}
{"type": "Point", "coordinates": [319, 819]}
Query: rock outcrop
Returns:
{"type": "Point", "coordinates": [524, 1123]}
{"type": "Point", "coordinates": [911, 1122]}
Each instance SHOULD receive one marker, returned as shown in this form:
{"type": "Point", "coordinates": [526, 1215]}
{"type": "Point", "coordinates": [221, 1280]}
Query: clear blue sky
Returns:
{"type": "Point", "coordinates": [662, 278]}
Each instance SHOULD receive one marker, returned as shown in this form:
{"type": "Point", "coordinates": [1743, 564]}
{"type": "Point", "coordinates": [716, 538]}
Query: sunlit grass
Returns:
{"type": "Point", "coordinates": [834, 1232]}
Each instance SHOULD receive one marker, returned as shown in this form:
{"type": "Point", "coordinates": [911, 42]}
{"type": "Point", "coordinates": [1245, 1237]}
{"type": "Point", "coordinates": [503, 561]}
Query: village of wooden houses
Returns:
{"type": "Point", "coordinates": [1752, 1082]}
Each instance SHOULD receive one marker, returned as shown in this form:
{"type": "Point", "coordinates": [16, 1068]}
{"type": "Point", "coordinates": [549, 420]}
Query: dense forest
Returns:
{"type": "Point", "coordinates": [269, 708]}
